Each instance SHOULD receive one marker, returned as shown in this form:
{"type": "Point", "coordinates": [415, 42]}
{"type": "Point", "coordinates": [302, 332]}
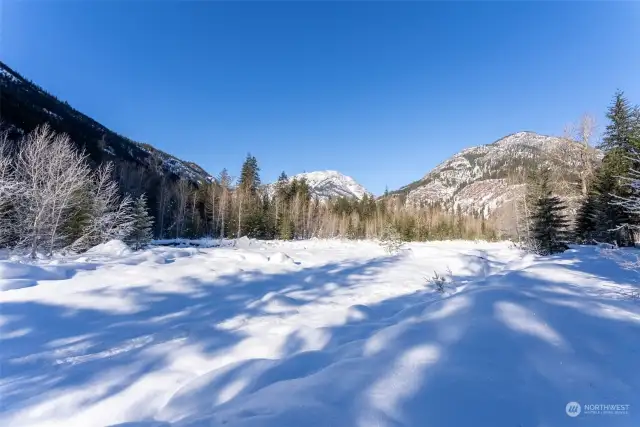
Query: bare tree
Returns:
{"type": "Point", "coordinates": [585, 131]}
{"type": "Point", "coordinates": [224, 180]}
{"type": "Point", "coordinates": [52, 173]}
{"type": "Point", "coordinates": [182, 191]}
{"type": "Point", "coordinates": [210, 205]}
{"type": "Point", "coordinates": [164, 195]}
{"type": "Point", "coordinates": [239, 197]}
{"type": "Point", "coordinates": [9, 187]}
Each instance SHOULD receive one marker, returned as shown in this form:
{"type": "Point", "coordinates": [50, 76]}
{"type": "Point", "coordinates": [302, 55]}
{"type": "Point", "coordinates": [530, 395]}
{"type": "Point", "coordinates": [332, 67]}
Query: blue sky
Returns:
{"type": "Point", "coordinates": [379, 91]}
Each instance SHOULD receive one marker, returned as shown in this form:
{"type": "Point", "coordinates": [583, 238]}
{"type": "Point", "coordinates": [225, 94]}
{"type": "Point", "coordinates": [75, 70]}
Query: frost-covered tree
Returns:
{"type": "Point", "coordinates": [142, 224]}
{"type": "Point", "coordinates": [52, 174]}
{"type": "Point", "coordinates": [9, 187]}
{"type": "Point", "coordinates": [390, 239]}
{"type": "Point", "coordinates": [106, 215]}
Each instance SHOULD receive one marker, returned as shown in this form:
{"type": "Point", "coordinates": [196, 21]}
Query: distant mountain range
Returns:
{"type": "Point", "coordinates": [477, 179]}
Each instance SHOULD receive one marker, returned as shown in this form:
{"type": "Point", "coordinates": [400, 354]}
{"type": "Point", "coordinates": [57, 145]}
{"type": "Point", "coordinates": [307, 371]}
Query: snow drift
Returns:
{"type": "Point", "coordinates": [319, 333]}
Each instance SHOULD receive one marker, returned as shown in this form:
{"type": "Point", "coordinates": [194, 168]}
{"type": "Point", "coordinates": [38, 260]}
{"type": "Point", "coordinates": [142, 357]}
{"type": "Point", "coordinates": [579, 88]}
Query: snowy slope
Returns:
{"type": "Point", "coordinates": [329, 184]}
{"type": "Point", "coordinates": [318, 333]}
{"type": "Point", "coordinates": [477, 178]}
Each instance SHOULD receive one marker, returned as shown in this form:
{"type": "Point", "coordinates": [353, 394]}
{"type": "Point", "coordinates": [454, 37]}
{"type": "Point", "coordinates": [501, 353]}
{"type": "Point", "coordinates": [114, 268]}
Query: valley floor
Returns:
{"type": "Point", "coordinates": [319, 333]}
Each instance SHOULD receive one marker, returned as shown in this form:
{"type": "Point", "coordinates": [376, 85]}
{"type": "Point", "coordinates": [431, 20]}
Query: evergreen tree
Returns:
{"type": "Point", "coordinates": [250, 175]}
{"type": "Point", "coordinates": [610, 218]}
{"type": "Point", "coordinates": [141, 233]}
{"type": "Point", "coordinates": [585, 224]}
{"type": "Point", "coordinates": [620, 139]}
{"type": "Point", "coordinates": [620, 132]}
{"type": "Point", "coordinates": [548, 222]}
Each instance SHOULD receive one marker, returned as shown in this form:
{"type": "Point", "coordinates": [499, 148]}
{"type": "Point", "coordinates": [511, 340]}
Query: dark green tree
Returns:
{"type": "Point", "coordinates": [620, 132]}
{"type": "Point", "coordinates": [610, 218]}
{"type": "Point", "coordinates": [585, 225]}
{"type": "Point", "coordinates": [141, 233]}
{"type": "Point", "coordinates": [249, 175]}
{"type": "Point", "coordinates": [548, 221]}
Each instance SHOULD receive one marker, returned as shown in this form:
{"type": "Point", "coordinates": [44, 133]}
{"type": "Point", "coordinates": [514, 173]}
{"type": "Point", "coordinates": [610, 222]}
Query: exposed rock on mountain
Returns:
{"type": "Point", "coordinates": [482, 179]}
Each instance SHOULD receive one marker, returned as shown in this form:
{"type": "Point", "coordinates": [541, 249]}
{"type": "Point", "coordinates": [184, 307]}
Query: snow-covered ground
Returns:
{"type": "Point", "coordinates": [318, 333]}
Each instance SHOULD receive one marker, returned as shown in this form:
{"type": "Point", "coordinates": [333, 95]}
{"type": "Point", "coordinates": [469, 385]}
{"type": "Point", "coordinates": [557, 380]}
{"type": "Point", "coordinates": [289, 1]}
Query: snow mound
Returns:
{"type": "Point", "coordinates": [358, 312]}
{"type": "Point", "coordinates": [281, 258]}
{"type": "Point", "coordinates": [246, 243]}
{"type": "Point", "coordinates": [15, 275]}
{"type": "Point", "coordinates": [252, 257]}
{"type": "Point", "coordinates": [110, 248]}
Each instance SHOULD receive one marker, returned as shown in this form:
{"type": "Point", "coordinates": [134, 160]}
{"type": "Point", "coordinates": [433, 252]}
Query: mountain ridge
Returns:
{"type": "Point", "coordinates": [482, 178]}
{"type": "Point", "coordinates": [25, 105]}
{"type": "Point", "coordinates": [327, 184]}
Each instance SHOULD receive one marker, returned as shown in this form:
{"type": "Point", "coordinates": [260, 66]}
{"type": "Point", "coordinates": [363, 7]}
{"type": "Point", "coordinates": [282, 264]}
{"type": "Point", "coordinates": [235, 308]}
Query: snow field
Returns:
{"type": "Point", "coordinates": [317, 333]}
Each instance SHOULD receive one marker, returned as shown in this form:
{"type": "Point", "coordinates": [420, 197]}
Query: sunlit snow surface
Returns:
{"type": "Point", "coordinates": [317, 333]}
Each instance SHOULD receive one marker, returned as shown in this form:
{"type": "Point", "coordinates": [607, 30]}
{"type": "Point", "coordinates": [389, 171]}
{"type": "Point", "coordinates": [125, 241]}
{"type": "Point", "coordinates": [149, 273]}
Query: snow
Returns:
{"type": "Point", "coordinates": [112, 247]}
{"type": "Point", "coordinates": [318, 333]}
{"type": "Point", "coordinates": [328, 183]}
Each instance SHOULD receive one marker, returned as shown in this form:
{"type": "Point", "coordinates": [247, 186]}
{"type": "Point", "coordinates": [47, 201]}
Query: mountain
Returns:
{"type": "Point", "coordinates": [329, 184]}
{"type": "Point", "coordinates": [26, 105]}
{"type": "Point", "coordinates": [482, 179]}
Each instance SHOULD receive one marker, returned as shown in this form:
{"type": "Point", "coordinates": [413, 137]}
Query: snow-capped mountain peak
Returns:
{"type": "Point", "coordinates": [330, 184]}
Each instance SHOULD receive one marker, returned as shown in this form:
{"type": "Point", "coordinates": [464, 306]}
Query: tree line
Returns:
{"type": "Point", "coordinates": [609, 208]}
{"type": "Point", "coordinates": [289, 210]}
{"type": "Point", "coordinates": [53, 198]}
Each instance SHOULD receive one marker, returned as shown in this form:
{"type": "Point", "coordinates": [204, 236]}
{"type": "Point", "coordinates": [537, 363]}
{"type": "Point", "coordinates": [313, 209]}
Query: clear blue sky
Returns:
{"type": "Point", "coordinates": [379, 91]}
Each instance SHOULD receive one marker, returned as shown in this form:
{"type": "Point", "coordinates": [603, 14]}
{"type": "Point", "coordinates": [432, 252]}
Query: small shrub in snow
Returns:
{"type": "Point", "coordinates": [440, 281]}
{"type": "Point", "coordinates": [390, 239]}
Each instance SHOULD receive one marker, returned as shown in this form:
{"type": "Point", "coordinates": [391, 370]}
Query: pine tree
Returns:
{"type": "Point", "coordinates": [619, 133]}
{"type": "Point", "coordinates": [548, 222]}
{"type": "Point", "coordinates": [141, 233]}
{"type": "Point", "coordinates": [610, 218]}
{"type": "Point", "coordinates": [621, 141]}
{"type": "Point", "coordinates": [585, 224]}
{"type": "Point", "coordinates": [250, 175]}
